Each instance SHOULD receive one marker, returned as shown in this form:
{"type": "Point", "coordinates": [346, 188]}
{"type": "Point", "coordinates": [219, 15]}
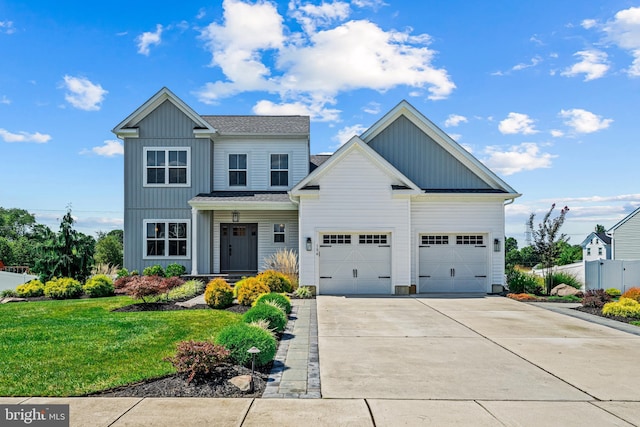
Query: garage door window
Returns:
{"type": "Point", "coordinates": [435, 240]}
{"type": "Point", "coordinates": [336, 239]}
{"type": "Point", "coordinates": [469, 240]}
{"type": "Point", "coordinates": [372, 239]}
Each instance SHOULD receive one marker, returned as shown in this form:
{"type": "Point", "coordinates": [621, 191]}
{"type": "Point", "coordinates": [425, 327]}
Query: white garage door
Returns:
{"type": "Point", "coordinates": [453, 263]}
{"type": "Point", "coordinates": [355, 263]}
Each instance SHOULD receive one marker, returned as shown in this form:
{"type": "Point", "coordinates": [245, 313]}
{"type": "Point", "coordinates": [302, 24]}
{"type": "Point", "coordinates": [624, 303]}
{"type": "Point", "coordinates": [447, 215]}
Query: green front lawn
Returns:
{"type": "Point", "coordinates": [74, 347]}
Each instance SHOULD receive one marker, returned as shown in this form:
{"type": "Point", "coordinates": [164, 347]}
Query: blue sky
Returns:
{"type": "Point", "coordinates": [543, 92]}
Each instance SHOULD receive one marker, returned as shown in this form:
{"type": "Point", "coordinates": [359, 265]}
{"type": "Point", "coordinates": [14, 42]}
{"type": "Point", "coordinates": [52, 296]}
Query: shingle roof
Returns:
{"type": "Point", "coordinates": [606, 239]}
{"type": "Point", "coordinates": [243, 196]}
{"type": "Point", "coordinates": [316, 160]}
{"type": "Point", "coordinates": [264, 125]}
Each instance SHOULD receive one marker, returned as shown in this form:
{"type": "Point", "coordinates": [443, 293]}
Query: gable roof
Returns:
{"type": "Point", "coordinates": [602, 236]}
{"type": "Point", "coordinates": [355, 143]}
{"type": "Point", "coordinates": [625, 219]}
{"type": "Point", "coordinates": [264, 125]}
{"type": "Point", "coordinates": [404, 109]}
{"type": "Point", "coordinates": [128, 127]}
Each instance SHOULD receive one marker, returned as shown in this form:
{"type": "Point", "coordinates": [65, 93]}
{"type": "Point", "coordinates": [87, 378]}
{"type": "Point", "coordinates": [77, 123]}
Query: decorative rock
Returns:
{"type": "Point", "coordinates": [11, 299]}
{"type": "Point", "coordinates": [563, 290]}
{"type": "Point", "coordinates": [243, 382]}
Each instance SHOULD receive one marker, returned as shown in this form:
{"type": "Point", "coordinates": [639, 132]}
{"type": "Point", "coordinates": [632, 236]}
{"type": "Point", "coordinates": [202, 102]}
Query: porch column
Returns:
{"type": "Point", "coordinates": [194, 241]}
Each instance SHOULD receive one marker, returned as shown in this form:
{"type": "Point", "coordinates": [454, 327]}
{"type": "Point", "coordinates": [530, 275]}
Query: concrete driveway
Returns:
{"type": "Point", "coordinates": [505, 356]}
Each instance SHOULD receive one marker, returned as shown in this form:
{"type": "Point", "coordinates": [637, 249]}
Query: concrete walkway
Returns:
{"type": "Point", "coordinates": [486, 361]}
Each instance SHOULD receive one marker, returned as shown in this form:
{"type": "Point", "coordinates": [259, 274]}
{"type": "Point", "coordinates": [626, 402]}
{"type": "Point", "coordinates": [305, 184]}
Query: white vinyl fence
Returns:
{"type": "Point", "coordinates": [609, 273]}
{"type": "Point", "coordinates": [576, 270]}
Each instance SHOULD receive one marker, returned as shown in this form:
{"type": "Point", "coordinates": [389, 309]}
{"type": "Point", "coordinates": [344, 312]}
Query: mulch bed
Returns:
{"type": "Point", "coordinates": [176, 385]}
{"type": "Point", "coordinates": [169, 306]}
{"type": "Point", "coordinates": [598, 312]}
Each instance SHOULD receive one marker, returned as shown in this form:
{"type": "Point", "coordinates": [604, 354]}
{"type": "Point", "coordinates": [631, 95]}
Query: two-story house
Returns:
{"type": "Point", "coordinates": [596, 246]}
{"type": "Point", "coordinates": [402, 204]}
{"type": "Point", "coordinates": [625, 237]}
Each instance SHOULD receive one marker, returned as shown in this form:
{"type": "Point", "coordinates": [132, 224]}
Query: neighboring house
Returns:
{"type": "Point", "coordinates": [625, 237]}
{"type": "Point", "coordinates": [403, 204]}
{"type": "Point", "coordinates": [596, 246]}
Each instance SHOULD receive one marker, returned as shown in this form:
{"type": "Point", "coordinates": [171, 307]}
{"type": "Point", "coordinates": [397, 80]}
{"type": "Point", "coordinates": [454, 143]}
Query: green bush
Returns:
{"type": "Point", "coordinates": [275, 281]}
{"type": "Point", "coordinates": [218, 294]}
{"type": "Point", "coordinates": [626, 307]}
{"type": "Point", "coordinates": [154, 270]}
{"type": "Point", "coordinates": [303, 292]}
{"type": "Point", "coordinates": [566, 278]}
{"type": "Point", "coordinates": [280, 299]}
{"type": "Point", "coordinates": [275, 317]}
{"type": "Point", "coordinates": [99, 285]}
{"type": "Point", "coordinates": [8, 293]}
{"type": "Point", "coordinates": [240, 337]}
{"type": "Point", "coordinates": [613, 292]}
{"type": "Point", "coordinates": [63, 288]}
{"type": "Point", "coordinates": [250, 289]}
{"type": "Point", "coordinates": [524, 283]}
{"type": "Point", "coordinates": [34, 288]}
{"type": "Point", "coordinates": [198, 358]}
{"type": "Point", "coordinates": [175, 270]}
{"type": "Point", "coordinates": [123, 272]}
{"type": "Point", "coordinates": [189, 289]}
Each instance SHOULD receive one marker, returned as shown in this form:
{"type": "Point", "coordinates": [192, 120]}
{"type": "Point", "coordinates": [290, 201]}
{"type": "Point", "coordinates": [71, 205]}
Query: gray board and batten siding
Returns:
{"type": "Point", "coordinates": [423, 160]}
{"type": "Point", "coordinates": [166, 126]}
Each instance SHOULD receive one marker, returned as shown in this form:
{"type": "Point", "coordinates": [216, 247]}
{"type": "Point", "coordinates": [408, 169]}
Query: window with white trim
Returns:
{"type": "Point", "coordinates": [435, 240]}
{"type": "Point", "coordinates": [336, 239]}
{"type": "Point", "coordinates": [372, 239]}
{"type": "Point", "coordinates": [278, 233]}
{"type": "Point", "coordinates": [166, 238]}
{"type": "Point", "coordinates": [469, 240]}
{"type": "Point", "coordinates": [279, 170]}
{"type": "Point", "coordinates": [237, 170]}
{"type": "Point", "coordinates": [167, 166]}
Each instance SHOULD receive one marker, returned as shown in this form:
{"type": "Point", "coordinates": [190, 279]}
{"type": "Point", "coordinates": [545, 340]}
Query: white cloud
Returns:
{"type": "Point", "coordinates": [588, 23]}
{"type": "Point", "coordinates": [5, 100]}
{"type": "Point", "coordinates": [345, 134]}
{"type": "Point", "coordinates": [7, 27]}
{"type": "Point", "coordinates": [372, 108]}
{"type": "Point", "coordinates": [454, 120]}
{"type": "Point", "coordinates": [593, 65]}
{"type": "Point", "coordinates": [201, 13]}
{"type": "Point", "coordinates": [517, 123]}
{"type": "Point", "coordinates": [83, 94]}
{"type": "Point", "coordinates": [556, 133]}
{"type": "Point", "coordinates": [148, 38]}
{"type": "Point", "coordinates": [110, 148]}
{"type": "Point", "coordinates": [455, 136]}
{"type": "Point", "coordinates": [534, 39]}
{"type": "Point", "coordinates": [38, 138]}
{"type": "Point", "coordinates": [374, 4]}
{"type": "Point", "coordinates": [317, 111]}
{"type": "Point", "coordinates": [583, 121]}
{"type": "Point", "coordinates": [624, 31]}
{"type": "Point", "coordinates": [523, 157]}
{"type": "Point", "coordinates": [523, 65]}
{"type": "Point", "coordinates": [467, 147]}
{"type": "Point", "coordinates": [257, 52]}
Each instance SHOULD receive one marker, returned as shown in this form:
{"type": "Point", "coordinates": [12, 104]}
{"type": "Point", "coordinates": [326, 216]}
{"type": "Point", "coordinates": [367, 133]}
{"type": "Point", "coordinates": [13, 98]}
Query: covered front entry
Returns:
{"type": "Point", "coordinates": [238, 247]}
{"type": "Point", "coordinates": [355, 263]}
{"type": "Point", "coordinates": [453, 263]}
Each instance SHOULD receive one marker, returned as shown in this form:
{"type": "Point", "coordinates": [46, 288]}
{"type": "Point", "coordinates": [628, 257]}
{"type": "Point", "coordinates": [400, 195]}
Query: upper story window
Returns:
{"type": "Point", "coordinates": [166, 238]}
{"type": "Point", "coordinates": [588, 251]}
{"type": "Point", "coordinates": [279, 170]}
{"type": "Point", "coordinates": [167, 166]}
{"type": "Point", "coordinates": [237, 170]}
{"type": "Point", "coordinates": [599, 251]}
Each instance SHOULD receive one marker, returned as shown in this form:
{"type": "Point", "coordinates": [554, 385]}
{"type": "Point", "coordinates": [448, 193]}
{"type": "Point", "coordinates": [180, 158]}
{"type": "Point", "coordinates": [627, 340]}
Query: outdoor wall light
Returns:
{"type": "Point", "coordinates": [235, 216]}
{"type": "Point", "coordinates": [496, 245]}
{"type": "Point", "coordinates": [309, 243]}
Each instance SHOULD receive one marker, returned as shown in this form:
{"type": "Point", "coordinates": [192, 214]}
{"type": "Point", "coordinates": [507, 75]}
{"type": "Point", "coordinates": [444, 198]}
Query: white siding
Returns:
{"type": "Point", "coordinates": [265, 221]}
{"type": "Point", "coordinates": [477, 217]}
{"type": "Point", "coordinates": [626, 239]}
{"type": "Point", "coordinates": [355, 195]}
{"type": "Point", "coordinates": [258, 153]}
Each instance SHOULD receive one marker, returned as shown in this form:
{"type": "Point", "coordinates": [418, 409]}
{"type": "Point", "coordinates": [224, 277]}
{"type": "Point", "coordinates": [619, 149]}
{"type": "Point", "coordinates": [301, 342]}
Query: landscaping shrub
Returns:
{"type": "Point", "coordinates": [276, 282]}
{"type": "Point", "coordinates": [520, 282]}
{"type": "Point", "coordinates": [275, 316]}
{"type": "Point", "coordinates": [613, 292]}
{"type": "Point", "coordinates": [175, 270]}
{"type": "Point", "coordinates": [251, 289]}
{"type": "Point", "coordinates": [240, 337]}
{"type": "Point", "coordinates": [144, 287]}
{"type": "Point", "coordinates": [8, 293]}
{"type": "Point", "coordinates": [189, 289]}
{"type": "Point", "coordinates": [568, 279]}
{"type": "Point", "coordinates": [633, 293]}
{"type": "Point", "coordinates": [198, 358]}
{"type": "Point", "coordinates": [522, 297]}
{"type": "Point", "coordinates": [218, 294]}
{"type": "Point", "coordinates": [281, 299]}
{"type": "Point", "coordinates": [595, 298]}
{"type": "Point", "coordinates": [100, 285]}
{"type": "Point", "coordinates": [33, 288]}
{"type": "Point", "coordinates": [154, 270]}
{"type": "Point", "coordinates": [63, 288]}
{"type": "Point", "coordinates": [626, 307]}
{"type": "Point", "coordinates": [303, 292]}
{"type": "Point", "coordinates": [123, 272]}
{"type": "Point", "coordinates": [284, 261]}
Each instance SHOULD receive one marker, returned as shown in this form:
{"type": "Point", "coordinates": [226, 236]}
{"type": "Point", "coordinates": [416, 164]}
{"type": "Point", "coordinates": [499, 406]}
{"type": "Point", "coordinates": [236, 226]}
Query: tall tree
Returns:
{"type": "Point", "coordinates": [600, 228]}
{"type": "Point", "coordinates": [109, 248]}
{"type": "Point", "coordinates": [547, 240]}
{"type": "Point", "coordinates": [15, 222]}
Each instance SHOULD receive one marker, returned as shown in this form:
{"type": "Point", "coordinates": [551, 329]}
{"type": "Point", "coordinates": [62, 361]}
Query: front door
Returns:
{"type": "Point", "coordinates": [238, 247]}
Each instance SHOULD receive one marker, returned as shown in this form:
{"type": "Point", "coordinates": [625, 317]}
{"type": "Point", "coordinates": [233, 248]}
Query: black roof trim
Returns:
{"type": "Point", "coordinates": [465, 190]}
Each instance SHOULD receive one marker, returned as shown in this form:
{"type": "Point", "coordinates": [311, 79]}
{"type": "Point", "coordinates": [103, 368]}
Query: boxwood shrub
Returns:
{"type": "Point", "coordinates": [250, 289]}
{"type": "Point", "coordinates": [277, 282]}
{"type": "Point", "coordinates": [34, 288]}
{"type": "Point", "coordinates": [280, 299]}
{"type": "Point", "coordinates": [275, 317]}
{"type": "Point", "coordinates": [218, 294]}
{"type": "Point", "coordinates": [63, 288]}
{"type": "Point", "coordinates": [240, 337]}
{"type": "Point", "coordinates": [99, 285]}
{"type": "Point", "coordinates": [174, 270]}
{"type": "Point", "coordinates": [154, 270]}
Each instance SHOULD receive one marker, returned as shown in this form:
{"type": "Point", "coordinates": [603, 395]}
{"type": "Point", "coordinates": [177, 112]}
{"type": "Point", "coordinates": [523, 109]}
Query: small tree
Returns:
{"type": "Point", "coordinates": [109, 248]}
{"type": "Point", "coordinates": [547, 241]}
{"type": "Point", "coordinates": [600, 228]}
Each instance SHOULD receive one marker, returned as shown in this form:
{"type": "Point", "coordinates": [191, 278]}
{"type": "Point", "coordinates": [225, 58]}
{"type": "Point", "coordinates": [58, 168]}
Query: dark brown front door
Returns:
{"type": "Point", "coordinates": [238, 247]}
